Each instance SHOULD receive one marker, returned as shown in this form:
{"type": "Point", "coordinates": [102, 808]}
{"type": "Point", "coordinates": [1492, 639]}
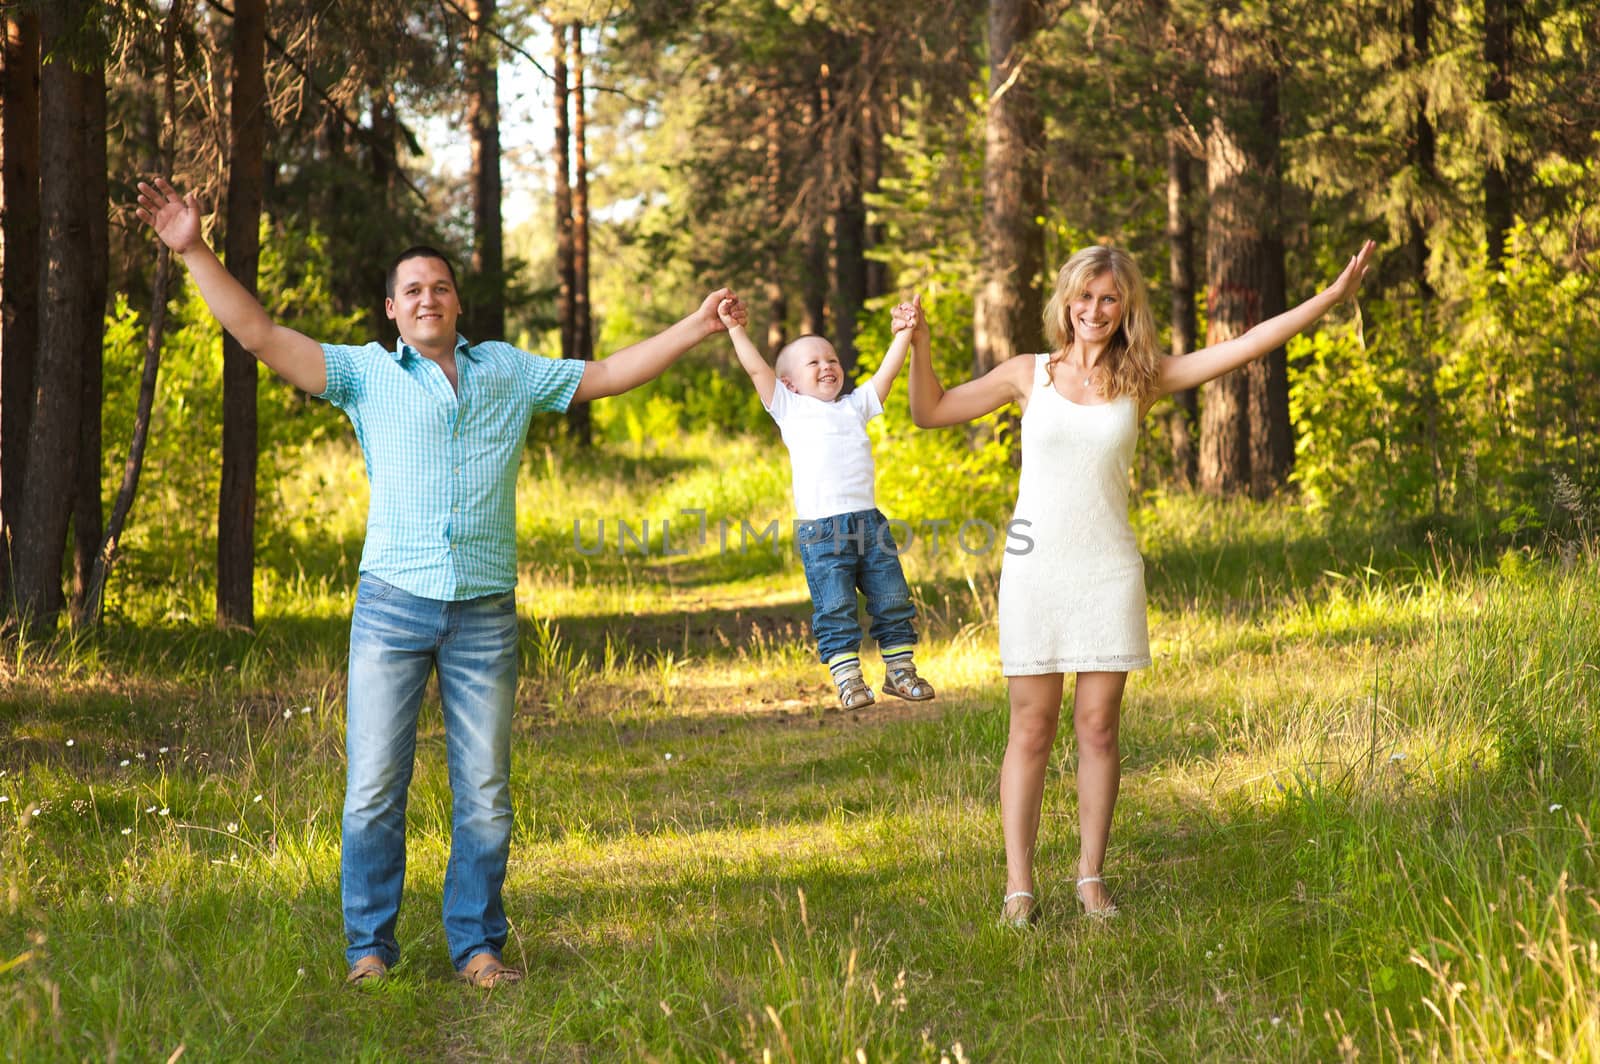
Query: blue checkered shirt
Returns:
{"type": "Point", "coordinates": [443, 463]}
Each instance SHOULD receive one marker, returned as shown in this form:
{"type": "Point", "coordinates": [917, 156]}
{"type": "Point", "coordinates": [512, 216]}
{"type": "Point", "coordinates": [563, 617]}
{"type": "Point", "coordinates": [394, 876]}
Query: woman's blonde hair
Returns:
{"type": "Point", "coordinates": [1130, 363]}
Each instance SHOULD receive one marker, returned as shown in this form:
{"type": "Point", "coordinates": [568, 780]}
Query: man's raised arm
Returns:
{"type": "Point", "coordinates": [291, 355]}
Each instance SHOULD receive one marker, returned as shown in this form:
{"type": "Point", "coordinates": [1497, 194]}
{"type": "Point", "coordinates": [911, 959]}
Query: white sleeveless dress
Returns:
{"type": "Point", "coordinates": [1074, 600]}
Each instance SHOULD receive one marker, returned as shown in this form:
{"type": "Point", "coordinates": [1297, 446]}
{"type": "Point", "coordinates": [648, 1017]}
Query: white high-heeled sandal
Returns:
{"type": "Point", "coordinates": [1106, 911]}
{"type": "Point", "coordinates": [1020, 920]}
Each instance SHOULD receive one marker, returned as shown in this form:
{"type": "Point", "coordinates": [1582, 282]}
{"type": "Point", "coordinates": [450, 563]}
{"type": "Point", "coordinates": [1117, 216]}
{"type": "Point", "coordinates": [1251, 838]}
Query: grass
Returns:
{"type": "Point", "coordinates": [1355, 822]}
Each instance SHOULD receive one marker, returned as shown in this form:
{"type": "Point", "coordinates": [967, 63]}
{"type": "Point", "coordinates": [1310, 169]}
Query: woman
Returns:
{"type": "Point", "coordinates": [1074, 602]}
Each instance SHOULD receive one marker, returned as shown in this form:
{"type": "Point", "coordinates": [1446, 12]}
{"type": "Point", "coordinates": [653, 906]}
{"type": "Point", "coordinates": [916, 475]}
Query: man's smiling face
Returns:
{"type": "Point", "coordinates": [425, 306]}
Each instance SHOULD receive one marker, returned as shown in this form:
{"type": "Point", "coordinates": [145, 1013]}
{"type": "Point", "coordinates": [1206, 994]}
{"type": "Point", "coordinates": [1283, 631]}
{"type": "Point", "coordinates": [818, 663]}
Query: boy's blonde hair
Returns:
{"type": "Point", "coordinates": [1130, 362]}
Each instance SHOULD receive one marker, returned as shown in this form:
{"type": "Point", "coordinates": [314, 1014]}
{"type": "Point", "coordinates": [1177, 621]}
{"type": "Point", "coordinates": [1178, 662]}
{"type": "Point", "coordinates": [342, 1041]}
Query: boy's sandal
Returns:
{"type": "Point", "coordinates": [370, 968]}
{"type": "Point", "coordinates": [854, 693]}
{"type": "Point", "coordinates": [902, 681]}
{"type": "Point", "coordinates": [1019, 920]}
{"type": "Point", "coordinates": [486, 971]}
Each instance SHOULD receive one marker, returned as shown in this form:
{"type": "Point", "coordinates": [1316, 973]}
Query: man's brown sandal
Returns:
{"type": "Point", "coordinates": [485, 971]}
{"type": "Point", "coordinates": [370, 968]}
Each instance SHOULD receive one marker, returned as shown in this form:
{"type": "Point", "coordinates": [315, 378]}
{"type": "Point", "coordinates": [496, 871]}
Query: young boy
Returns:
{"type": "Point", "coordinates": [845, 541]}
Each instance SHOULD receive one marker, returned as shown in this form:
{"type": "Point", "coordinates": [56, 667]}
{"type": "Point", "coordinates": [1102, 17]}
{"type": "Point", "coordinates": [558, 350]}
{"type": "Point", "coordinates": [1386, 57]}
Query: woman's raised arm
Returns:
{"type": "Point", "coordinates": [1188, 371]}
{"type": "Point", "coordinates": [933, 407]}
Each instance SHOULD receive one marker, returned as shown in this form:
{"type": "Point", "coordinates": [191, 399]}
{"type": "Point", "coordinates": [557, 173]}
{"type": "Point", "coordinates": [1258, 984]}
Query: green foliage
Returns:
{"type": "Point", "coordinates": [1481, 405]}
{"type": "Point", "coordinates": [950, 474]}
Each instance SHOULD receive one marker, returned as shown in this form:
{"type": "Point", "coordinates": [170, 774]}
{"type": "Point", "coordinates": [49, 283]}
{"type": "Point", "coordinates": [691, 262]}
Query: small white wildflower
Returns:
{"type": "Point", "coordinates": [288, 713]}
{"type": "Point", "coordinates": [669, 757]}
{"type": "Point", "coordinates": [140, 755]}
{"type": "Point", "coordinates": [257, 798]}
{"type": "Point", "coordinates": [1398, 755]}
{"type": "Point", "coordinates": [304, 710]}
{"type": "Point", "coordinates": [163, 750]}
{"type": "Point", "coordinates": [127, 831]}
{"type": "Point", "coordinates": [123, 762]}
{"type": "Point", "coordinates": [149, 809]}
{"type": "Point", "coordinates": [232, 826]}
{"type": "Point", "coordinates": [5, 798]}
{"type": "Point", "coordinates": [300, 972]}
{"type": "Point", "coordinates": [164, 811]}
{"type": "Point", "coordinates": [1209, 954]}
{"type": "Point", "coordinates": [1276, 1020]}
{"type": "Point", "coordinates": [72, 742]}
{"type": "Point", "coordinates": [1555, 807]}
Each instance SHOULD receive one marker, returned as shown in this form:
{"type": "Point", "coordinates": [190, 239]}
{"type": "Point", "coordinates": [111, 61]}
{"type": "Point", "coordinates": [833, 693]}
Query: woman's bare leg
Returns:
{"type": "Point", "coordinates": [1035, 715]}
{"type": "Point", "coordinates": [1096, 714]}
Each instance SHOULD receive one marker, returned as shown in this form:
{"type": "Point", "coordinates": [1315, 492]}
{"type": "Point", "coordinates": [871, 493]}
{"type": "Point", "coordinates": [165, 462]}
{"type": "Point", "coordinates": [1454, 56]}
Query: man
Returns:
{"type": "Point", "coordinates": [441, 424]}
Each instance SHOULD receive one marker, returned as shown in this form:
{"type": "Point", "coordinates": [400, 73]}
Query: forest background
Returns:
{"type": "Point", "coordinates": [826, 159]}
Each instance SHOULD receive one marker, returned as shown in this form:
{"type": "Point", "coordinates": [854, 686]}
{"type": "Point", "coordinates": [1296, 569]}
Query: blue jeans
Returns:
{"type": "Point", "coordinates": [396, 640]}
{"type": "Point", "coordinates": [849, 551]}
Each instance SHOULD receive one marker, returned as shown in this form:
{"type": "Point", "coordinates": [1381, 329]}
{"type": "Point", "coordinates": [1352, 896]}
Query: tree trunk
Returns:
{"type": "Point", "coordinates": [573, 296]}
{"type": "Point", "coordinates": [1418, 25]}
{"type": "Point", "coordinates": [566, 281]}
{"type": "Point", "coordinates": [1007, 316]}
{"type": "Point", "coordinates": [777, 302]}
{"type": "Point", "coordinates": [236, 504]}
{"type": "Point", "coordinates": [483, 118]}
{"type": "Point", "coordinates": [582, 319]}
{"type": "Point", "coordinates": [814, 272]}
{"type": "Point", "coordinates": [40, 532]}
{"type": "Point", "coordinates": [1183, 426]}
{"type": "Point", "coordinates": [1422, 148]}
{"type": "Point", "coordinates": [1245, 443]}
{"type": "Point", "coordinates": [88, 516]}
{"type": "Point", "coordinates": [19, 266]}
{"type": "Point", "coordinates": [1497, 55]}
{"type": "Point", "coordinates": [871, 141]}
{"type": "Point", "coordinates": [849, 244]}
{"type": "Point", "coordinates": [384, 163]}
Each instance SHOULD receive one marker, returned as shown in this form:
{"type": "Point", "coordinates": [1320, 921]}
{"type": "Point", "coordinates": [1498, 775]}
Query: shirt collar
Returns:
{"type": "Point", "coordinates": [401, 349]}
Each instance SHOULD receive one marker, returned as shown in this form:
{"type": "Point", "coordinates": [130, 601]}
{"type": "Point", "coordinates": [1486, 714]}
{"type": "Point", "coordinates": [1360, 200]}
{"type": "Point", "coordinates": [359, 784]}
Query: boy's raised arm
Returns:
{"type": "Point", "coordinates": [733, 316]}
{"type": "Point", "coordinates": [907, 318]}
{"type": "Point", "coordinates": [293, 356]}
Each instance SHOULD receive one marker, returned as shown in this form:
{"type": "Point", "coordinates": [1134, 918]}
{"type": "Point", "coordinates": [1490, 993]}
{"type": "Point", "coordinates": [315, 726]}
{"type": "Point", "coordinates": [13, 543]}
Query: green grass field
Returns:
{"type": "Point", "coordinates": [1356, 817]}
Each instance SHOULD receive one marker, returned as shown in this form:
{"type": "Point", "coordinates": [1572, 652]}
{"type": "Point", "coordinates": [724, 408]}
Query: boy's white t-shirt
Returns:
{"type": "Point", "coordinates": [829, 449]}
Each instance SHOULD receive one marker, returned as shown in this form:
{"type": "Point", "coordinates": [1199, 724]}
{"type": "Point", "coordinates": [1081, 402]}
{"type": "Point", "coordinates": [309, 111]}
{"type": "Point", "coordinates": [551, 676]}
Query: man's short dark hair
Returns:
{"type": "Point", "coordinates": [418, 251]}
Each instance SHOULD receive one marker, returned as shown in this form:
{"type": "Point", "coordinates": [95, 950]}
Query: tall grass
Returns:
{"type": "Point", "coordinates": [1356, 823]}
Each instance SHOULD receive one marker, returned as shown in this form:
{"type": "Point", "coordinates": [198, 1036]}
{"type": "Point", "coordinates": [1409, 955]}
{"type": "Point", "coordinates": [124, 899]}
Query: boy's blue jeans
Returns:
{"type": "Point", "coordinates": [396, 639]}
{"type": "Point", "coordinates": [849, 551]}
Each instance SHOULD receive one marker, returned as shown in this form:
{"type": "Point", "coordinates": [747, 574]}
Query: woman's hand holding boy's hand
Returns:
{"type": "Point", "coordinates": [731, 312]}
{"type": "Point", "coordinates": [909, 316]}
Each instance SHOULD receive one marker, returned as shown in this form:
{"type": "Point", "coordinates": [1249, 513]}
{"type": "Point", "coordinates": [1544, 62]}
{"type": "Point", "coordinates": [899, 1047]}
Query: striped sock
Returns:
{"type": "Point", "coordinates": [893, 656]}
{"type": "Point", "coordinates": [845, 667]}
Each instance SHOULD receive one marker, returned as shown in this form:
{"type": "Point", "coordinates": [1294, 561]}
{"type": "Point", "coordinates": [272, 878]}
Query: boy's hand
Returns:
{"type": "Point", "coordinates": [910, 316]}
{"type": "Point", "coordinates": [174, 217]}
{"type": "Point", "coordinates": [731, 312]}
